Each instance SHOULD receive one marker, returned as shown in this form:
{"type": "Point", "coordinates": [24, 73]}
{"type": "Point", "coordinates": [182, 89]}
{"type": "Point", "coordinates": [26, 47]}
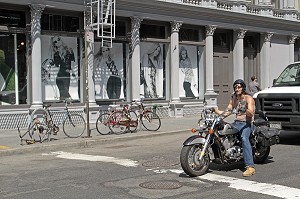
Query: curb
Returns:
{"type": "Point", "coordinates": [46, 147]}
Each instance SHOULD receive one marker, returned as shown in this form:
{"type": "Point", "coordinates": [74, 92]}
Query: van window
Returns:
{"type": "Point", "coordinates": [290, 76]}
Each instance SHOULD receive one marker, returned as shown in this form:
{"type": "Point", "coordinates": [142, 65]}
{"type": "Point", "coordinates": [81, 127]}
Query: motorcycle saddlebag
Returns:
{"type": "Point", "coordinates": [267, 136]}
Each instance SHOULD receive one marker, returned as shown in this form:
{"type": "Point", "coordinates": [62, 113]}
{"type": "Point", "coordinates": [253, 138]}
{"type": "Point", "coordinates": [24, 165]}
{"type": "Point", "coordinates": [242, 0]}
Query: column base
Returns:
{"type": "Point", "coordinates": [93, 112]}
{"type": "Point", "coordinates": [176, 109]}
{"type": "Point", "coordinates": [211, 98]}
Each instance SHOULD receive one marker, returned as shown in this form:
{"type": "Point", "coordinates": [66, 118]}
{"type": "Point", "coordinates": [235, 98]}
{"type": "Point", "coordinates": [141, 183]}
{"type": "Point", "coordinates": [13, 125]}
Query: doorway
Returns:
{"type": "Point", "coordinates": [223, 67]}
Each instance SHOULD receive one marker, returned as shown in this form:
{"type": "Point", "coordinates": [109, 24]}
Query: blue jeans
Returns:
{"type": "Point", "coordinates": [245, 132]}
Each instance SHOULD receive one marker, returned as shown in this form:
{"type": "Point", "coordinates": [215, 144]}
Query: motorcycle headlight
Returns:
{"type": "Point", "coordinates": [201, 123]}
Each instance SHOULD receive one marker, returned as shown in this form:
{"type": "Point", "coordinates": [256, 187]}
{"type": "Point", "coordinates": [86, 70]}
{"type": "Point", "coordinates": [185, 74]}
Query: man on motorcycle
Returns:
{"type": "Point", "coordinates": [244, 105]}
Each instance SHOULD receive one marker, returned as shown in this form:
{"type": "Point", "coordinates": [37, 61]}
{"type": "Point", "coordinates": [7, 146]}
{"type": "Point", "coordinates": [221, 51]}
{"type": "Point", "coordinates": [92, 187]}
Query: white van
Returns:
{"type": "Point", "coordinates": [281, 102]}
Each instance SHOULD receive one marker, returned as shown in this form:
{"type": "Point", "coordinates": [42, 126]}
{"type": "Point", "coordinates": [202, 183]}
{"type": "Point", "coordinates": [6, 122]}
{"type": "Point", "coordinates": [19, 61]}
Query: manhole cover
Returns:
{"type": "Point", "coordinates": [159, 163]}
{"type": "Point", "coordinates": [161, 185]}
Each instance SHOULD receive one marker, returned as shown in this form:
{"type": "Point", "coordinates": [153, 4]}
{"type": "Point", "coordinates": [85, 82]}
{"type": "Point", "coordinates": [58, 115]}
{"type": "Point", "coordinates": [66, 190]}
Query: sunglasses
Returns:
{"type": "Point", "coordinates": [238, 87]}
{"type": "Point", "coordinates": [57, 40]}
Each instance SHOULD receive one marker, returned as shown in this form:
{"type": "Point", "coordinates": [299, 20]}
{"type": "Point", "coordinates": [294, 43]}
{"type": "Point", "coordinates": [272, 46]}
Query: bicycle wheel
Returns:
{"type": "Point", "coordinates": [46, 136]}
{"type": "Point", "coordinates": [133, 121]}
{"type": "Point", "coordinates": [38, 124]}
{"type": "Point", "coordinates": [150, 121]}
{"type": "Point", "coordinates": [118, 122]}
{"type": "Point", "coordinates": [74, 125]}
{"type": "Point", "coordinates": [102, 124]}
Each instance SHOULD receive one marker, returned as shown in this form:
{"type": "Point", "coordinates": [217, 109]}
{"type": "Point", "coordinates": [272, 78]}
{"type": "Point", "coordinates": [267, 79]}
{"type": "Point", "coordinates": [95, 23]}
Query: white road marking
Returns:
{"type": "Point", "coordinates": [279, 191]}
{"type": "Point", "coordinates": [252, 186]}
{"type": "Point", "coordinates": [93, 158]}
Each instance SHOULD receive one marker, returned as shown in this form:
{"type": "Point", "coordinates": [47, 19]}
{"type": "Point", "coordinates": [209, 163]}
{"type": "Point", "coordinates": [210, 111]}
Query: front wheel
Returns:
{"type": "Point", "coordinates": [74, 126]}
{"type": "Point", "coordinates": [150, 121]}
{"type": "Point", "coordinates": [190, 163]}
{"type": "Point", "coordinates": [102, 124]}
{"type": "Point", "coordinates": [260, 154]}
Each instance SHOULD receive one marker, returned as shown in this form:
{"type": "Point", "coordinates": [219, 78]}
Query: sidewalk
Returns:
{"type": "Point", "coordinates": [10, 142]}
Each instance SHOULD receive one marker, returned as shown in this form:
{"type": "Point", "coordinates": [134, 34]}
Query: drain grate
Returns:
{"type": "Point", "coordinates": [161, 185]}
{"type": "Point", "coordinates": [159, 163]}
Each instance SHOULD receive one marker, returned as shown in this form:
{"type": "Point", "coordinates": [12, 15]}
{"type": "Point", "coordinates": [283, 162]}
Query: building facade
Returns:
{"type": "Point", "coordinates": [175, 53]}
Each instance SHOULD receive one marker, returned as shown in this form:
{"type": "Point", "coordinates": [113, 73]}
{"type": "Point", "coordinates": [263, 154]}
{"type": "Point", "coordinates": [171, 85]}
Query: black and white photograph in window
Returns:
{"type": "Point", "coordinates": [151, 78]}
{"type": "Point", "coordinates": [108, 71]}
{"type": "Point", "coordinates": [188, 72]}
{"type": "Point", "coordinates": [59, 68]}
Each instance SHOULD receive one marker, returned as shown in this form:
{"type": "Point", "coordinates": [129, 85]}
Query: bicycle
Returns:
{"type": "Point", "coordinates": [102, 123]}
{"type": "Point", "coordinates": [149, 119]}
{"type": "Point", "coordinates": [38, 123]}
{"type": "Point", "coordinates": [117, 121]}
{"type": "Point", "coordinates": [41, 120]}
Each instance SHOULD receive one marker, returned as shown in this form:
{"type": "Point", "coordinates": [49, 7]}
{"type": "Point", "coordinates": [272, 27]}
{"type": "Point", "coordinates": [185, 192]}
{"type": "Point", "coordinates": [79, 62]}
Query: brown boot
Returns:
{"type": "Point", "coordinates": [249, 171]}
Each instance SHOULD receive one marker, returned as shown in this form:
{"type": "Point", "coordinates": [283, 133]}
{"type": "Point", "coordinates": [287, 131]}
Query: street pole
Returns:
{"type": "Point", "coordinates": [86, 46]}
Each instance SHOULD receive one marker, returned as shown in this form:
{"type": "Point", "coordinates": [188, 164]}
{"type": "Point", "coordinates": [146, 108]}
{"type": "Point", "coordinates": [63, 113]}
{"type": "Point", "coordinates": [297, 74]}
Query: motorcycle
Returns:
{"type": "Point", "coordinates": [217, 141]}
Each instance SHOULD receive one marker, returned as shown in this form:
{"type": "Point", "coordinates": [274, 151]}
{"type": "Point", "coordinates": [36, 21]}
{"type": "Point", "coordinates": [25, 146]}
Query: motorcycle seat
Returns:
{"type": "Point", "coordinates": [260, 122]}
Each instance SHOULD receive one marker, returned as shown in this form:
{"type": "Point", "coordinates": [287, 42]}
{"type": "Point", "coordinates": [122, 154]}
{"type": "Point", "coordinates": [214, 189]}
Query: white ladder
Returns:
{"type": "Point", "coordinates": [105, 21]}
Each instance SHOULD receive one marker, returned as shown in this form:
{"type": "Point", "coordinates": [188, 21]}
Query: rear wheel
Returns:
{"type": "Point", "coordinates": [74, 126]}
{"type": "Point", "coordinates": [260, 154]}
{"type": "Point", "coordinates": [118, 122]}
{"type": "Point", "coordinates": [133, 121]}
{"type": "Point", "coordinates": [150, 121]}
{"type": "Point", "coordinates": [102, 124]}
{"type": "Point", "coordinates": [38, 124]}
{"type": "Point", "coordinates": [190, 163]}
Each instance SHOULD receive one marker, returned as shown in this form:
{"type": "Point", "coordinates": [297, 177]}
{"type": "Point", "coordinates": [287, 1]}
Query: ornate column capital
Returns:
{"type": "Point", "coordinates": [175, 25]}
{"type": "Point", "coordinates": [89, 18]}
{"type": "Point", "coordinates": [241, 33]}
{"type": "Point", "coordinates": [292, 39]}
{"type": "Point", "coordinates": [36, 11]}
{"type": "Point", "coordinates": [135, 33]}
{"type": "Point", "coordinates": [210, 30]}
{"type": "Point", "coordinates": [135, 23]}
{"type": "Point", "coordinates": [268, 36]}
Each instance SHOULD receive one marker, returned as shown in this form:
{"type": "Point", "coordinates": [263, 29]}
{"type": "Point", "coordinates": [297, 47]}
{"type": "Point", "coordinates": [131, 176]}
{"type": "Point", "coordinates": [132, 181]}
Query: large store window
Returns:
{"type": "Point", "coordinates": [152, 64]}
{"type": "Point", "coordinates": [13, 73]}
{"type": "Point", "coordinates": [188, 71]}
{"type": "Point", "coordinates": [152, 70]}
{"type": "Point", "coordinates": [60, 68]}
{"type": "Point", "coordinates": [190, 63]}
{"type": "Point", "coordinates": [108, 71]}
{"type": "Point", "coordinates": [61, 71]}
{"type": "Point", "coordinates": [13, 69]}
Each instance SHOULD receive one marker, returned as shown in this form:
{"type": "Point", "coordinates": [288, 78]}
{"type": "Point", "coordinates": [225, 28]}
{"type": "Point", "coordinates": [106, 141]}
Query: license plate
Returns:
{"type": "Point", "coordinates": [275, 125]}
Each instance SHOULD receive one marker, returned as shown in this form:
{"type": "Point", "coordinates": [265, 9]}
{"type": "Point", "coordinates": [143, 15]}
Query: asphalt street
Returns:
{"type": "Point", "coordinates": [10, 142]}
